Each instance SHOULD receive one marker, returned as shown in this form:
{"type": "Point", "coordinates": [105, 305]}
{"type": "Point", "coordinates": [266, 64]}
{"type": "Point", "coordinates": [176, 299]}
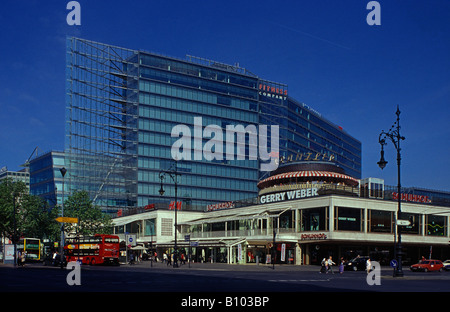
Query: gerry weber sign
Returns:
{"type": "Point", "coordinates": [288, 195]}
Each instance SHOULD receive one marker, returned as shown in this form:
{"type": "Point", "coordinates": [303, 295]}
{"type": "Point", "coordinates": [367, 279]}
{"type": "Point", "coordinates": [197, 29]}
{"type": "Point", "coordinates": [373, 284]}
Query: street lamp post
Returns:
{"type": "Point", "coordinates": [274, 250]}
{"type": "Point", "coordinates": [394, 135]}
{"type": "Point", "coordinates": [61, 248]}
{"type": "Point", "coordinates": [15, 229]}
{"type": "Point", "coordinates": [173, 174]}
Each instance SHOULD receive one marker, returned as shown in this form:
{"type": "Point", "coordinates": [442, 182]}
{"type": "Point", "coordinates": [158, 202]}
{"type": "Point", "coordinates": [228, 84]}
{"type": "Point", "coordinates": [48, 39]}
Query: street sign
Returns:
{"type": "Point", "coordinates": [403, 222]}
{"type": "Point", "coordinates": [130, 239]}
{"type": "Point", "coordinates": [187, 238]}
{"type": "Point", "coordinates": [194, 244]}
{"type": "Point", "coordinates": [67, 220]}
{"type": "Point", "coordinates": [393, 263]}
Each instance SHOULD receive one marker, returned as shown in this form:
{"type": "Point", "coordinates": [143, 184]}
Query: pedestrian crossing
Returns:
{"type": "Point", "coordinates": [298, 280]}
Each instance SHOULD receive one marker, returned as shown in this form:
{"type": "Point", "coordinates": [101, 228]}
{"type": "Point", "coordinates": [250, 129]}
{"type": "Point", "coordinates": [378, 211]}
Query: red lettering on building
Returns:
{"type": "Point", "coordinates": [411, 198]}
{"type": "Point", "coordinates": [172, 205]}
{"type": "Point", "coordinates": [220, 206]}
{"type": "Point", "coordinates": [275, 90]}
{"type": "Point", "coordinates": [314, 236]}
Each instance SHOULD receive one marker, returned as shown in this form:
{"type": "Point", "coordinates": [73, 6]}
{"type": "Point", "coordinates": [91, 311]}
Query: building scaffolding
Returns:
{"type": "Point", "coordinates": [101, 122]}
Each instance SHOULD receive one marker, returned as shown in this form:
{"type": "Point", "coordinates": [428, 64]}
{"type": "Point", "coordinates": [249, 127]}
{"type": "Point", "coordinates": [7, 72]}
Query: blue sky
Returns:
{"type": "Point", "coordinates": [354, 74]}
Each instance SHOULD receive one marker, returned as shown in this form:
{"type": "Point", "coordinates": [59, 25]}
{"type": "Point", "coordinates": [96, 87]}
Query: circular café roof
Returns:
{"type": "Point", "coordinates": [310, 174]}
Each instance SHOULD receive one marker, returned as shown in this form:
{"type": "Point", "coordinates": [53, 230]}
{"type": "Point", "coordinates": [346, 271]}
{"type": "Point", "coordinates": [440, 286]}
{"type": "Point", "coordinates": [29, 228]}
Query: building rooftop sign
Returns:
{"type": "Point", "coordinates": [411, 198]}
{"type": "Point", "coordinates": [288, 195]}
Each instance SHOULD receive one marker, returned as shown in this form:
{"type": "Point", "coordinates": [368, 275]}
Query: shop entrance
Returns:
{"type": "Point", "coordinates": [285, 253]}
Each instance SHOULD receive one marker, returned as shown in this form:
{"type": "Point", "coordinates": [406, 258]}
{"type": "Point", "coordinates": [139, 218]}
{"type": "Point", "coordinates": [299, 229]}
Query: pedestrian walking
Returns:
{"type": "Point", "coordinates": [19, 258]}
{"type": "Point", "coordinates": [330, 263]}
{"type": "Point", "coordinates": [368, 266]}
{"type": "Point", "coordinates": [164, 258]}
{"type": "Point", "coordinates": [131, 259]}
{"type": "Point", "coordinates": [23, 257]}
{"type": "Point", "coordinates": [54, 258]}
{"type": "Point", "coordinates": [341, 266]}
{"type": "Point", "coordinates": [324, 266]}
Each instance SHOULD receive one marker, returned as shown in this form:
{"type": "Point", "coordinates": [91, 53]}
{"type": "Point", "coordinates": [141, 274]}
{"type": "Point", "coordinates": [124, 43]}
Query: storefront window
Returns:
{"type": "Point", "coordinates": [150, 227]}
{"type": "Point", "coordinates": [436, 225]}
{"type": "Point", "coordinates": [312, 219]}
{"type": "Point", "coordinates": [380, 221]}
{"type": "Point", "coordinates": [286, 219]}
{"type": "Point", "coordinates": [347, 219]}
{"type": "Point", "coordinates": [416, 223]}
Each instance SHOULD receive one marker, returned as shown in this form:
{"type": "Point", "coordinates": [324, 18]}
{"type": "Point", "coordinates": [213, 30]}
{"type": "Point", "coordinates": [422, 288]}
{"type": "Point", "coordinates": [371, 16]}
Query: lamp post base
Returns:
{"type": "Point", "coordinates": [398, 273]}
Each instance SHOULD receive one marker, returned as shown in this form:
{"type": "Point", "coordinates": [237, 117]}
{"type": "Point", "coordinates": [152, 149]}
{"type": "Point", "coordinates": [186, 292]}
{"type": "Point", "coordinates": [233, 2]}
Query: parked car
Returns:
{"type": "Point", "coordinates": [356, 264]}
{"type": "Point", "coordinates": [428, 265]}
{"type": "Point", "coordinates": [446, 264]}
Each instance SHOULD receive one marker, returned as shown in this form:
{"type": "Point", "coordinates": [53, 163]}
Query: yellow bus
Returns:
{"type": "Point", "coordinates": [32, 247]}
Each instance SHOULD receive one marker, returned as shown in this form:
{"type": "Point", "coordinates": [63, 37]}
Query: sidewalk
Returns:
{"type": "Point", "coordinates": [249, 267]}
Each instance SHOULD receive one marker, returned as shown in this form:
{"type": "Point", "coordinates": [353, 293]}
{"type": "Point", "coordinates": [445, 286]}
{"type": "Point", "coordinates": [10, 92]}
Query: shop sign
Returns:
{"type": "Point", "coordinates": [288, 195]}
{"type": "Point", "coordinates": [307, 157]}
{"type": "Point", "coordinates": [218, 206]}
{"type": "Point", "coordinates": [411, 198]}
{"type": "Point", "coordinates": [172, 205]}
{"type": "Point", "coordinates": [272, 91]}
{"type": "Point", "coordinates": [316, 236]}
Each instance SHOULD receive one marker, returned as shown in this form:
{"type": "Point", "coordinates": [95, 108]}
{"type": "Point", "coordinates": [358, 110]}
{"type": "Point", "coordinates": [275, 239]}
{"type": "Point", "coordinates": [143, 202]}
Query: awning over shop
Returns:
{"type": "Point", "coordinates": [129, 219]}
{"type": "Point", "coordinates": [204, 243]}
{"type": "Point", "coordinates": [308, 174]}
{"type": "Point", "coordinates": [262, 213]}
{"type": "Point", "coordinates": [137, 248]}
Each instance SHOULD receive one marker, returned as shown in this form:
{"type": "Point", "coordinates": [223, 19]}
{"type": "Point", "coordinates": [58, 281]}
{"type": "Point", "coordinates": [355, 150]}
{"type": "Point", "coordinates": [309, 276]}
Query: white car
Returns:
{"type": "Point", "coordinates": [446, 265]}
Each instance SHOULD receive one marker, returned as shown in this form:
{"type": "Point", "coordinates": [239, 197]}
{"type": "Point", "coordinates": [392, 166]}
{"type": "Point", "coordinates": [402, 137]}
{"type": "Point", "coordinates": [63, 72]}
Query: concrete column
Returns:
{"type": "Point", "coordinates": [331, 216]}
{"type": "Point", "coordinates": [365, 214]}
{"type": "Point", "coordinates": [298, 254]}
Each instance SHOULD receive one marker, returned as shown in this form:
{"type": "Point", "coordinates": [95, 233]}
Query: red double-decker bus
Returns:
{"type": "Point", "coordinates": [97, 249]}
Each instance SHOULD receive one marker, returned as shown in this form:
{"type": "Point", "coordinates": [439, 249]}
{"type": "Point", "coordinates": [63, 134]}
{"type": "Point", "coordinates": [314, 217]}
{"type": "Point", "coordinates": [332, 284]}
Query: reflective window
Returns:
{"type": "Point", "coordinates": [347, 219]}
{"type": "Point", "coordinates": [380, 221]}
{"type": "Point", "coordinates": [313, 219]}
{"type": "Point", "coordinates": [416, 223]}
{"type": "Point", "coordinates": [436, 225]}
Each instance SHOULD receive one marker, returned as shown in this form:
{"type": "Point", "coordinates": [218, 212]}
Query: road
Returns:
{"type": "Point", "coordinates": [216, 281]}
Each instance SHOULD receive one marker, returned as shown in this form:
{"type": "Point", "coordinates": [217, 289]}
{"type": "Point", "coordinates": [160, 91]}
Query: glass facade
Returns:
{"type": "Point", "coordinates": [304, 133]}
{"type": "Point", "coordinates": [173, 92]}
{"type": "Point", "coordinates": [45, 177]}
{"type": "Point", "coordinates": [124, 105]}
{"type": "Point", "coordinates": [101, 123]}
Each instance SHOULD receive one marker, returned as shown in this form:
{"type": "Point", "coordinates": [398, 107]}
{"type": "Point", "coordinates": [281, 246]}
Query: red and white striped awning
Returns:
{"type": "Point", "coordinates": [306, 174]}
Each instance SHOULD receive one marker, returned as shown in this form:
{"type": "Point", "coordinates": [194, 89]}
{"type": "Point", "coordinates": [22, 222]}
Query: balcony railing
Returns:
{"type": "Point", "coordinates": [324, 188]}
{"type": "Point", "coordinates": [240, 233]}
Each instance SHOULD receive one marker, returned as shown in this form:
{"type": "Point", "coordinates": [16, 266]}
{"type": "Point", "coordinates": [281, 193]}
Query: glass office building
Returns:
{"type": "Point", "coordinates": [46, 180]}
{"type": "Point", "coordinates": [123, 105]}
{"type": "Point", "coordinates": [22, 175]}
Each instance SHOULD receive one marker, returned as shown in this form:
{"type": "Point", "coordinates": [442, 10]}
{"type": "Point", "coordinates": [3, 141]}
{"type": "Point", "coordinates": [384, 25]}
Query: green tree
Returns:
{"type": "Point", "coordinates": [38, 219]}
{"type": "Point", "coordinates": [11, 194]}
{"type": "Point", "coordinates": [33, 218]}
{"type": "Point", "coordinates": [91, 220]}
